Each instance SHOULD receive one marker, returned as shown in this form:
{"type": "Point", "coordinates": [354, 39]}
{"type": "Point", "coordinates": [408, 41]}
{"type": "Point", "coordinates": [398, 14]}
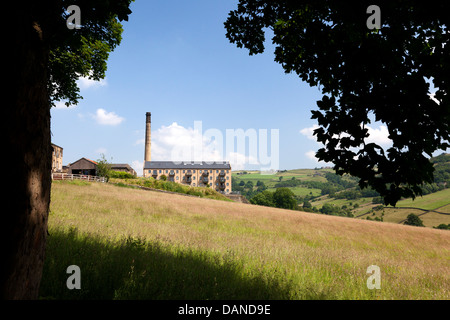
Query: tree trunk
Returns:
{"type": "Point", "coordinates": [26, 117]}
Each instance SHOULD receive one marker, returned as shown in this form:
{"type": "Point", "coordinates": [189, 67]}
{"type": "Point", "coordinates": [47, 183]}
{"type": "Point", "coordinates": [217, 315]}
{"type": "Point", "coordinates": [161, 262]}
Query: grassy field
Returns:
{"type": "Point", "coordinates": [270, 180]}
{"type": "Point", "coordinates": [136, 244]}
{"type": "Point", "coordinates": [429, 202]}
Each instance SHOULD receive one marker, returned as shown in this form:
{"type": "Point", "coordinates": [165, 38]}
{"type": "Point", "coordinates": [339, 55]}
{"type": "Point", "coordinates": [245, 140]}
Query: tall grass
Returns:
{"type": "Point", "coordinates": [136, 244]}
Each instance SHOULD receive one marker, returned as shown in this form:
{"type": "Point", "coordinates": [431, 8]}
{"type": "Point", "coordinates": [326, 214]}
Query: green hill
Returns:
{"type": "Point", "coordinates": [342, 196]}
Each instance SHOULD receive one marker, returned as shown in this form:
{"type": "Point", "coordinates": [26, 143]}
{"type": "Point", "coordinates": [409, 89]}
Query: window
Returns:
{"type": "Point", "coordinates": [166, 171]}
{"type": "Point", "coordinates": [177, 177]}
{"type": "Point", "coordinates": [184, 171]}
{"type": "Point", "coordinates": [228, 190]}
{"type": "Point", "coordinates": [193, 178]}
{"type": "Point", "coordinates": [229, 184]}
{"type": "Point", "coordinates": [217, 171]}
{"type": "Point", "coordinates": [160, 171]}
{"type": "Point", "coordinates": [193, 171]}
{"type": "Point", "coordinates": [210, 178]}
{"type": "Point", "coordinates": [199, 171]}
{"type": "Point", "coordinates": [193, 184]}
{"type": "Point", "coordinates": [228, 178]}
{"type": "Point", "coordinates": [177, 171]}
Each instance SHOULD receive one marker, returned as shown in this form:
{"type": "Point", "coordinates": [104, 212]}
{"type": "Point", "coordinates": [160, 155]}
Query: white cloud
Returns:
{"type": "Point", "coordinates": [86, 83]}
{"type": "Point", "coordinates": [177, 143]}
{"type": "Point", "coordinates": [107, 118]}
{"type": "Point", "coordinates": [378, 135]}
{"type": "Point", "coordinates": [308, 132]}
{"type": "Point", "coordinates": [239, 161]}
{"type": "Point", "coordinates": [311, 155]}
{"type": "Point", "coordinates": [138, 166]}
{"type": "Point", "coordinates": [139, 142]}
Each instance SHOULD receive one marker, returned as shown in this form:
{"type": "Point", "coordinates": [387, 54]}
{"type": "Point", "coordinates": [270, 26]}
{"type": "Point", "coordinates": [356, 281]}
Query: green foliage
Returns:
{"type": "Point", "coordinates": [334, 210]}
{"type": "Point", "coordinates": [121, 175]}
{"type": "Point", "coordinates": [249, 184]}
{"type": "Point", "coordinates": [363, 74]}
{"type": "Point", "coordinates": [103, 167]}
{"type": "Point", "coordinates": [414, 220]}
{"type": "Point", "coordinates": [284, 198]}
{"type": "Point", "coordinates": [264, 198]}
{"type": "Point", "coordinates": [80, 52]}
{"type": "Point", "coordinates": [443, 226]}
{"type": "Point", "coordinates": [307, 204]}
{"type": "Point", "coordinates": [173, 187]}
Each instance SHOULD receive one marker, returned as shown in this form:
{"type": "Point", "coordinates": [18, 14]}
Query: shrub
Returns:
{"type": "Point", "coordinates": [121, 175]}
{"type": "Point", "coordinates": [264, 198]}
{"type": "Point", "coordinates": [284, 198]}
{"type": "Point", "coordinates": [413, 220]}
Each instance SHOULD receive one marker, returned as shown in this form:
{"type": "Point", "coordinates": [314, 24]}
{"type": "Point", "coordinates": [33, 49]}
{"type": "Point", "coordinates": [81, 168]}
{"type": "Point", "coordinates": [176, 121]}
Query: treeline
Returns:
{"type": "Point", "coordinates": [441, 169]}
{"type": "Point", "coordinates": [334, 184]}
{"type": "Point", "coordinates": [281, 198]}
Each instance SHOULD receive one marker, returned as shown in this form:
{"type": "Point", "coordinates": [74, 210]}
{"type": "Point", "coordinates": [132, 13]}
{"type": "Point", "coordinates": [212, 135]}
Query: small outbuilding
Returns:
{"type": "Point", "coordinates": [83, 166]}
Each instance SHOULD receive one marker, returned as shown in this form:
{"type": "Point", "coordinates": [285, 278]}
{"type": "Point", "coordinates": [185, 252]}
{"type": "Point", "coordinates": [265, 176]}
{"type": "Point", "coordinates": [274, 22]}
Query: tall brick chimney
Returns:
{"type": "Point", "coordinates": [148, 137]}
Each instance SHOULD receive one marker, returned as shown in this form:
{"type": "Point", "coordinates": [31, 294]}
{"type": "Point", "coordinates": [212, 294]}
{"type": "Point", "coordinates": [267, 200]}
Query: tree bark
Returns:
{"type": "Point", "coordinates": [26, 117]}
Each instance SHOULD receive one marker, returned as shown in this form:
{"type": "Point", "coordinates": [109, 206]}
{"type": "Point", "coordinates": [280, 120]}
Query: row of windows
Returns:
{"type": "Point", "coordinates": [210, 178]}
{"type": "Point", "coordinates": [193, 171]}
{"type": "Point", "coordinates": [228, 190]}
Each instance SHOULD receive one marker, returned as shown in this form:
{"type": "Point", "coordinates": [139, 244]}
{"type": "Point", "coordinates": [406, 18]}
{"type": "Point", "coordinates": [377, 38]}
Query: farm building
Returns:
{"type": "Point", "coordinates": [83, 166]}
{"type": "Point", "coordinates": [57, 156]}
{"type": "Point", "coordinates": [89, 167]}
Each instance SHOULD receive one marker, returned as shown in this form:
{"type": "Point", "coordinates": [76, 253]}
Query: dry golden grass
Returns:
{"type": "Point", "coordinates": [326, 256]}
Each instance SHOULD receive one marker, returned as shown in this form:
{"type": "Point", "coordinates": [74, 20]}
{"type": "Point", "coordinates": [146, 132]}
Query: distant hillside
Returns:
{"type": "Point", "coordinates": [314, 188]}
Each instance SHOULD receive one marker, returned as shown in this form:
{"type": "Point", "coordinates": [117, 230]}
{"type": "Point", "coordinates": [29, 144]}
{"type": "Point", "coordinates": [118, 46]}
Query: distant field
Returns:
{"type": "Point", "coordinates": [445, 209]}
{"type": "Point", "coordinates": [136, 244]}
{"type": "Point", "coordinates": [429, 202]}
{"type": "Point", "coordinates": [302, 191]}
{"type": "Point", "coordinates": [363, 206]}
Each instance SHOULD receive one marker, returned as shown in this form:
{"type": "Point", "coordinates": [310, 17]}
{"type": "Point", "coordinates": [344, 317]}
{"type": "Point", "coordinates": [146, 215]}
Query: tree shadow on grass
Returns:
{"type": "Point", "coordinates": [137, 269]}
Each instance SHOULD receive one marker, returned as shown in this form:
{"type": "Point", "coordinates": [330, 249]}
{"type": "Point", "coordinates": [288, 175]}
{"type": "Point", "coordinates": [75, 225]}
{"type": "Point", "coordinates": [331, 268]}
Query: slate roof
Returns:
{"type": "Point", "coordinates": [187, 165]}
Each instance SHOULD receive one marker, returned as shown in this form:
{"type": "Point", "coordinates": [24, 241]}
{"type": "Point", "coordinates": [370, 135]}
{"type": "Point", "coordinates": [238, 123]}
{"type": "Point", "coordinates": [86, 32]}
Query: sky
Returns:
{"type": "Point", "coordinates": [209, 100]}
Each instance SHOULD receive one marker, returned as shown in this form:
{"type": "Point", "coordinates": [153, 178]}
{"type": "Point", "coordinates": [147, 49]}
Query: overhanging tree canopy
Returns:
{"type": "Point", "coordinates": [381, 73]}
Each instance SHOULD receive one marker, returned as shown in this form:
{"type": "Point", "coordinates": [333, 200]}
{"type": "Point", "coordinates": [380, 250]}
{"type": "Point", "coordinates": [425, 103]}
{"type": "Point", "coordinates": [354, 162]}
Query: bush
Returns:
{"type": "Point", "coordinates": [264, 198]}
{"type": "Point", "coordinates": [285, 198]}
{"type": "Point", "coordinates": [413, 220]}
{"type": "Point", "coordinates": [121, 175]}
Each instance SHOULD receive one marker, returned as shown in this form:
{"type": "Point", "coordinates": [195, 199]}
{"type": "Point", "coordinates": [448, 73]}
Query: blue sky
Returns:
{"type": "Point", "coordinates": [175, 62]}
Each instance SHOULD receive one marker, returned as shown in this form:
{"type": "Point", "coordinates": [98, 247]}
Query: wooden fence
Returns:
{"type": "Point", "coordinates": [84, 177]}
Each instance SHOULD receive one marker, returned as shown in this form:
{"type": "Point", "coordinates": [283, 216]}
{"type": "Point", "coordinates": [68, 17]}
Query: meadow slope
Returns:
{"type": "Point", "coordinates": [133, 243]}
